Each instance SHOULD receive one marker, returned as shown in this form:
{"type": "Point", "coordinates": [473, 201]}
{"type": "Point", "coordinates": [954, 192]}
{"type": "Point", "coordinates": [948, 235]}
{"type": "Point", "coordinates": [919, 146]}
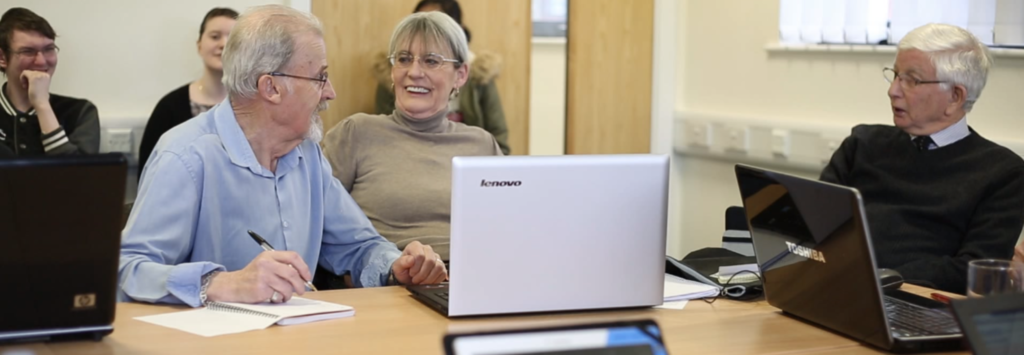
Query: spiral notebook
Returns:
{"type": "Point", "coordinates": [221, 318]}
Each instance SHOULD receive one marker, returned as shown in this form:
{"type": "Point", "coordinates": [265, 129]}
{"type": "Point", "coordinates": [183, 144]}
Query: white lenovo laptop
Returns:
{"type": "Point", "coordinates": [554, 233]}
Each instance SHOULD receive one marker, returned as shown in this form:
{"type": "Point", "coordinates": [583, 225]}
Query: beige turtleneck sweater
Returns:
{"type": "Point", "coordinates": [399, 170]}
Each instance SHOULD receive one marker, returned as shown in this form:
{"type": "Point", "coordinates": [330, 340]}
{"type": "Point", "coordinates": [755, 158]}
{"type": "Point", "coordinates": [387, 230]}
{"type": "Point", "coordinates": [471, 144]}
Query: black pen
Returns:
{"type": "Point", "coordinates": [266, 246]}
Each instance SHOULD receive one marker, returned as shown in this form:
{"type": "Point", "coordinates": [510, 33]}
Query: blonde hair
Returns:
{"type": "Point", "coordinates": [435, 28]}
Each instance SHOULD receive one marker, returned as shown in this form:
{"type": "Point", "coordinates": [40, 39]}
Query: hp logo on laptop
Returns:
{"type": "Point", "coordinates": [85, 301]}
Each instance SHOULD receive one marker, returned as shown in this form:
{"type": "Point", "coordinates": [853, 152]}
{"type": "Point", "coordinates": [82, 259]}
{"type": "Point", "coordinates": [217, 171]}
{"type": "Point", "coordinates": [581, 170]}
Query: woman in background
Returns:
{"type": "Point", "coordinates": [398, 166]}
{"type": "Point", "coordinates": [478, 104]}
{"type": "Point", "coordinates": [198, 96]}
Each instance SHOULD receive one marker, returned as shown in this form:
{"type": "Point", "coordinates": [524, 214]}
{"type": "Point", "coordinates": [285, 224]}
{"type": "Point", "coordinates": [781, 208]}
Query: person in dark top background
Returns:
{"type": "Point", "coordinates": [34, 122]}
{"type": "Point", "coordinates": [937, 193]}
{"type": "Point", "coordinates": [198, 96]}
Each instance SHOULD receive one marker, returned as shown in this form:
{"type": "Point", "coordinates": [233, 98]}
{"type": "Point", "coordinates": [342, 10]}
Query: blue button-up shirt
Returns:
{"type": "Point", "coordinates": [202, 189]}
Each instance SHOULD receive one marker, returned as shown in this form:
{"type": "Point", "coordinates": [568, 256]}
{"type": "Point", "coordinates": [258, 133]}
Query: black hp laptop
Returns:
{"type": "Point", "coordinates": [993, 325]}
{"type": "Point", "coordinates": [812, 243]}
{"type": "Point", "coordinates": [60, 222]}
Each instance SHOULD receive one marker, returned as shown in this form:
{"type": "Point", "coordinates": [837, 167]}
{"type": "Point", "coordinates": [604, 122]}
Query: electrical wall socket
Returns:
{"type": "Point", "coordinates": [698, 135]}
{"type": "Point", "coordinates": [829, 145]}
{"type": "Point", "coordinates": [119, 140]}
{"type": "Point", "coordinates": [736, 139]}
{"type": "Point", "coordinates": [780, 143]}
{"type": "Point", "coordinates": [804, 145]}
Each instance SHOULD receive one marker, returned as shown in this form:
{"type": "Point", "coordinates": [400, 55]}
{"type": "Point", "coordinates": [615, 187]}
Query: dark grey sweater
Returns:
{"type": "Point", "coordinates": [930, 212]}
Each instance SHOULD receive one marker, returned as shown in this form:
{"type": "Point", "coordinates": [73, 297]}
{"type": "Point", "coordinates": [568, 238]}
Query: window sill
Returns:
{"type": "Point", "coordinates": [998, 52]}
{"type": "Point", "coordinates": [549, 40]}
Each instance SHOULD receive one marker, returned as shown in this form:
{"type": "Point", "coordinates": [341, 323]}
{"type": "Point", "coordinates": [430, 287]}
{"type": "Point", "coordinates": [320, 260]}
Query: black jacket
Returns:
{"type": "Point", "coordinates": [79, 131]}
{"type": "Point", "coordinates": [172, 110]}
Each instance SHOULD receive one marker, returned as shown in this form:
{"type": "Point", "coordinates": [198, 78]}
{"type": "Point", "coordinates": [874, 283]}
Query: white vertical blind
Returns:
{"type": "Point", "coordinates": [905, 15]}
{"type": "Point", "coordinates": [876, 21]}
{"type": "Point", "coordinates": [954, 12]}
{"type": "Point", "coordinates": [866, 21]}
{"type": "Point", "coordinates": [833, 20]}
{"type": "Point", "coordinates": [981, 20]}
{"type": "Point", "coordinates": [1009, 23]}
{"type": "Point", "coordinates": [810, 21]}
{"type": "Point", "coordinates": [790, 14]}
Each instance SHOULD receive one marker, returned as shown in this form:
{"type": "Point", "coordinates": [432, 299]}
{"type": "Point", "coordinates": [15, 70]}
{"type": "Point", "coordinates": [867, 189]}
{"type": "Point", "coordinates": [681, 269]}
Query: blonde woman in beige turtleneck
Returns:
{"type": "Point", "coordinates": [398, 167]}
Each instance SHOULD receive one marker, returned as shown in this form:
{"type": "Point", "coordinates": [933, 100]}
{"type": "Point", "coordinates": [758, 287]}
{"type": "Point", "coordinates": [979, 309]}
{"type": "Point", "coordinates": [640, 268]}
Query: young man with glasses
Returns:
{"type": "Point", "coordinates": [32, 120]}
{"type": "Point", "coordinates": [937, 193]}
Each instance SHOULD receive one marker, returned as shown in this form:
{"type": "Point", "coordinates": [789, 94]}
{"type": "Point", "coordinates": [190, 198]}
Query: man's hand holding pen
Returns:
{"type": "Point", "coordinates": [272, 275]}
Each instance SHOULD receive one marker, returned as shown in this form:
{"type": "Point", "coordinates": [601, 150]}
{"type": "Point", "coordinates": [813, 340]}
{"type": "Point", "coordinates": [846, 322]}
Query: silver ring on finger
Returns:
{"type": "Point", "coordinates": [274, 298]}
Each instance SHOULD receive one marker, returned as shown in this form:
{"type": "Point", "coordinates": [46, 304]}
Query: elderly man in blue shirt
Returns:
{"type": "Point", "coordinates": [253, 163]}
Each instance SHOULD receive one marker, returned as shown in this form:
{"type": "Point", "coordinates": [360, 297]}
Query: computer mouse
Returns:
{"type": "Point", "coordinates": [890, 279]}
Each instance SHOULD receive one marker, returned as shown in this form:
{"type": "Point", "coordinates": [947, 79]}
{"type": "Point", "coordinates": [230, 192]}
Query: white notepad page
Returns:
{"type": "Point", "coordinates": [228, 318]}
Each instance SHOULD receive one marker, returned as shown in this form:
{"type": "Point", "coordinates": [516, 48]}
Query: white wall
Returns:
{"type": "Point", "coordinates": [547, 96]}
{"type": "Point", "coordinates": [124, 55]}
{"type": "Point", "coordinates": [723, 68]}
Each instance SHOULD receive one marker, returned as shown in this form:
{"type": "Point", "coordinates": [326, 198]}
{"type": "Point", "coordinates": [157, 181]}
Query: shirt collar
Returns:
{"type": "Point", "coordinates": [8, 107]}
{"type": "Point", "coordinates": [951, 134]}
{"type": "Point", "coordinates": [237, 146]}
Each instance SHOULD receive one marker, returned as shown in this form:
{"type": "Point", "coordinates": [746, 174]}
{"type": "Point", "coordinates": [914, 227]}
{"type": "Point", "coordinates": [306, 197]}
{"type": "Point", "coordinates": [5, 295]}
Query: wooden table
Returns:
{"type": "Point", "coordinates": [389, 321]}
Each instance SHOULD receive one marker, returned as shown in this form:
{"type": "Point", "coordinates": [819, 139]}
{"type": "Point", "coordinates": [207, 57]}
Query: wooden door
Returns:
{"type": "Point", "coordinates": [609, 67]}
{"type": "Point", "coordinates": [355, 32]}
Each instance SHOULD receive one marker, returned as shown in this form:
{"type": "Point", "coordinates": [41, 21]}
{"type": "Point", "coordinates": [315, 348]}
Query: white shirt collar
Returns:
{"type": "Point", "coordinates": [950, 135]}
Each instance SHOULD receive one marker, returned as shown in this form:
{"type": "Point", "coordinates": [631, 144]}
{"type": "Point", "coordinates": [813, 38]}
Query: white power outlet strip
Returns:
{"type": "Point", "coordinates": [119, 140]}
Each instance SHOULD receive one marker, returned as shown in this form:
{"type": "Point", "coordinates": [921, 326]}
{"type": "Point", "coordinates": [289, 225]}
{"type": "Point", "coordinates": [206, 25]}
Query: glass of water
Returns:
{"type": "Point", "coordinates": [987, 277]}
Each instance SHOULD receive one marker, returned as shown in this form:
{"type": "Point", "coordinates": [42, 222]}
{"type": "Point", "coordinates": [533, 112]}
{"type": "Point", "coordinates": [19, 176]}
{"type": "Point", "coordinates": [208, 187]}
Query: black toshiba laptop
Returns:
{"type": "Point", "coordinates": [993, 325]}
{"type": "Point", "coordinates": [60, 222]}
{"type": "Point", "coordinates": [813, 246]}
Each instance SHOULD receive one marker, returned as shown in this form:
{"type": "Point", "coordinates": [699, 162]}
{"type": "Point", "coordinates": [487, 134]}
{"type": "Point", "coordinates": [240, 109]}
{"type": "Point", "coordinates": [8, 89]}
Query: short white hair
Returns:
{"type": "Point", "coordinates": [262, 41]}
{"type": "Point", "coordinates": [958, 57]}
{"type": "Point", "coordinates": [434, 28]}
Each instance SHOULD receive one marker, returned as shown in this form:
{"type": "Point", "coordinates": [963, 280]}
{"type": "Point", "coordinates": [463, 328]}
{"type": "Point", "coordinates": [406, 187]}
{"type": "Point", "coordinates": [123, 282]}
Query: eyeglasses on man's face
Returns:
{"type": "Point", "coordinates": [907, 82]}
{"type": "Point", "coordinates": [430, 61]}
{"type": "Point", "coordinates": [322, 79]}
{"type": "Point", "coordinates": [49, 52]}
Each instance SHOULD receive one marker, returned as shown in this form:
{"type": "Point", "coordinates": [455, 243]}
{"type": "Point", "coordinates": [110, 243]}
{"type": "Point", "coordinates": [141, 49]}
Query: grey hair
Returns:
{"type": "Point", "coordinates": [435, 28]}
{"type": "Point", "coordinates": [262, 41]}
{"type": "Point", "coordinates": [957, 55]}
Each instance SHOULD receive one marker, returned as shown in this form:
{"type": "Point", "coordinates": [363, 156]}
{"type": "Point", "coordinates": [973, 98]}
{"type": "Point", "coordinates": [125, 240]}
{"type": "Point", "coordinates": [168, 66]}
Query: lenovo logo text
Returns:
{"type": "Point", "coordinates": [485, 183]}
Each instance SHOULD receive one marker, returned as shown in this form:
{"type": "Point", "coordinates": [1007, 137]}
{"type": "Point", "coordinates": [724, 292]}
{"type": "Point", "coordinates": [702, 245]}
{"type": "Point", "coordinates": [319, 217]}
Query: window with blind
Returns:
{"type": "Point", "coordinates": [994, 22]}
{"type": "Point", "coordinates": [549, 17]}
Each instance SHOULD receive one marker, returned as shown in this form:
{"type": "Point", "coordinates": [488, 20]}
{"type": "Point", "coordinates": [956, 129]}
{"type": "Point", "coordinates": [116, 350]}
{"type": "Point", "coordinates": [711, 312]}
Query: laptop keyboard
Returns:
{"type": "Point", "coordinates": [443, 295]}
{"type": "Point", "coordinates": [910, 320]}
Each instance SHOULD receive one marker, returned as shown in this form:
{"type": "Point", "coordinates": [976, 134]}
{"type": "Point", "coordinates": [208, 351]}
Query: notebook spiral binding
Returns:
{"type": "Point", "coordinates": [220, 307]}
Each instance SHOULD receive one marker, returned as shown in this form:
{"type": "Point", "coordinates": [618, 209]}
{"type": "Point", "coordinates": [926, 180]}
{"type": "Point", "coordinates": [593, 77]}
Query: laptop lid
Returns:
{"type": "Point", "coordinates": [557, 233]}
{"type": "Point", "coordinates": [60, 222]}
{"type": "Point", "coordinates": [811, 243]}
{"type": "Point", "coordinates": [993, 325]}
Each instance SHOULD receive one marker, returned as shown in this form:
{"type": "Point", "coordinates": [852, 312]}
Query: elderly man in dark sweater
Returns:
{"type": "Point", "coordinates": [937, 193]}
